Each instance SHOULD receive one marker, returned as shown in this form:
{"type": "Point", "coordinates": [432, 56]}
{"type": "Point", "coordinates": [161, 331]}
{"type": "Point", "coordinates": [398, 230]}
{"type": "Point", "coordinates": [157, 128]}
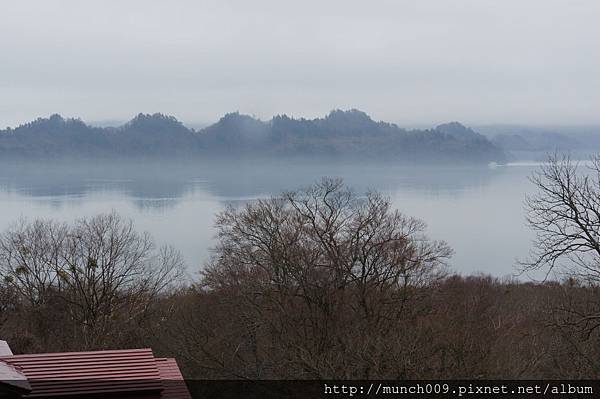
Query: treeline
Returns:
{"type": "Point", "coordinates": [341, 133]}
{"type": "Point", "coordinates": [463, 327]}
{"type": "Point", "coordinates": [316, 283]}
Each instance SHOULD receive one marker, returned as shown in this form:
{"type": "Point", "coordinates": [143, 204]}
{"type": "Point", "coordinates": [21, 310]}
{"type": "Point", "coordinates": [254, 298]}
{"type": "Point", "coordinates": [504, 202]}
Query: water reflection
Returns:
{"type": "Point", "coordinates": [153, 184]}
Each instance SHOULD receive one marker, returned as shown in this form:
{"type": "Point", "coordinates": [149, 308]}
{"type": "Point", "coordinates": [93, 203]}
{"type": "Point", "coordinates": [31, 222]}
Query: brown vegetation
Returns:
{"type": "Point", "coordinates": [83, 286]}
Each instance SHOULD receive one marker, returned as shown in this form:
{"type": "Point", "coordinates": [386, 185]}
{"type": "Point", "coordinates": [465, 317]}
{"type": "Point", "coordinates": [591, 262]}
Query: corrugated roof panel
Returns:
{"type": "Point", "coordinates": [89, 372]}
{"type": "Point", "coordinates": [175, 387]}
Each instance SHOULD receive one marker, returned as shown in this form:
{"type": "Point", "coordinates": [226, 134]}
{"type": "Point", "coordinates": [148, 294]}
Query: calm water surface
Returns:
{"type": "Point", "coordinates": [478, 210]}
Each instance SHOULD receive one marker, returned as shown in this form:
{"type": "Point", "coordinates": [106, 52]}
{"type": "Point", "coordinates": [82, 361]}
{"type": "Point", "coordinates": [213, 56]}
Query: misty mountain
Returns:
{"type": "Point", "coordinates": [536, 142]}
{"type": "Point", "coordinates": [514, 138]}
{"type": "Point", "coordinates": [234, 131]}
{"type": "Point", "coordinates": [152, 135]}
{"type": "Point", "coordinates": [458, 131]}
{"type": "Point", "coordinates": [339, 134]}
{"type": "Point", "coordinates": [53, 136]}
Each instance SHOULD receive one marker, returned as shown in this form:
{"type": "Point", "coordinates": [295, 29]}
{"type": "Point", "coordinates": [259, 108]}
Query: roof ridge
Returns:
{"type": "Point", "coordinates": [91, 353]}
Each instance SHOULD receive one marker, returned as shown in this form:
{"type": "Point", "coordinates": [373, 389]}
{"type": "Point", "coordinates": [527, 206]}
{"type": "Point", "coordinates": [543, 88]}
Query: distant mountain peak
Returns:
{"type": "Point", "coordinates": [141, 117]}
{"type": "Point", "coordinates": [56, 121]}
{"type": "Point", "coordinates": [353, 115]}
{"type": "Point", "coordinates": [453, 124]}
{"type": "Point", "coordinates": [457, 130]}
{"type": "Point", "coordinates": [156, 121]}
{"type": "Point", "coordinates": [350, 122]}
{"type": "Point", "coordinates": [56, 118]}
{"type": "Point", "coordinates": [237, 117]}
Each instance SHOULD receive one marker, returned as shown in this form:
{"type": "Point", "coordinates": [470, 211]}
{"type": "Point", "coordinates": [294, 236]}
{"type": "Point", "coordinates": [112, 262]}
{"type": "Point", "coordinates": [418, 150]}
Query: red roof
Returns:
{"type": "Point", "coordinates": [172, 379]}
{"type": "Point", "coordinates": [85, 373]}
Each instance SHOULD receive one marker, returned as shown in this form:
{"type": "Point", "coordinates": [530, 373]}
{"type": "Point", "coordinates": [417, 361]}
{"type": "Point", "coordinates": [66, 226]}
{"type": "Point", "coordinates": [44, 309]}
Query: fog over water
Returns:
{"type": "Point", "coordinates": [478, 210]}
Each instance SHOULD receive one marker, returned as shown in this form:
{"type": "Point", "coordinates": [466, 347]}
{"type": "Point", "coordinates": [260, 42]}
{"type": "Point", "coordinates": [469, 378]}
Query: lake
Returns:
{"type": "Point", "coordinates": [478, 210]}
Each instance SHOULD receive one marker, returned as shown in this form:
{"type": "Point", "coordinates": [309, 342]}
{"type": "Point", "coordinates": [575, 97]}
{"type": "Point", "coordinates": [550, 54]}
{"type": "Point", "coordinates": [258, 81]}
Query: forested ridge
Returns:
{"type": "Point", "coordinates": [340, 133]}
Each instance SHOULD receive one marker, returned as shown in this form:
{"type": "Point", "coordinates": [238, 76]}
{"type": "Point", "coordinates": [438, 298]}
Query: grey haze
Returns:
{"type": "Point", "coordinates": [411, 62]}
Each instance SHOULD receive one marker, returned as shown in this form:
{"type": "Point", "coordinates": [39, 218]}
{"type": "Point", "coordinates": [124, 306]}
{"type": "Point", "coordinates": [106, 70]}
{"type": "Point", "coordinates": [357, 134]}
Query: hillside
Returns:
{"type": "Point", "coordinates": [543, 138]}
{"type": "Point", "coordinates": [341, 133]}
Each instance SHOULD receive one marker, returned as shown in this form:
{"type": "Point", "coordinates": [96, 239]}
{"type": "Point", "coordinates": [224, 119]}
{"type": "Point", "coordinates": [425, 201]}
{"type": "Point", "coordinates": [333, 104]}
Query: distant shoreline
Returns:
{"type": "Point", "coordinates": [341, 134]}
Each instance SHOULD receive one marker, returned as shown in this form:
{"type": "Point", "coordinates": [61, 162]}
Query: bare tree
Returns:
{"type": "Point", "coordinates": [29, 258]}
{"type": "Point", "coordinates": [565, 216]}
{"type": "Point", "coordinates": [320, 280]}
{"type": "Point", "coordinates": [7, 301]}
{"type": "Point", "coordinates": [99, 271]}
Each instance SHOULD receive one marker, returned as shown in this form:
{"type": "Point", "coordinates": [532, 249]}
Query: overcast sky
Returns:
{"type": "Point", "coordinates": [407, 61]}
